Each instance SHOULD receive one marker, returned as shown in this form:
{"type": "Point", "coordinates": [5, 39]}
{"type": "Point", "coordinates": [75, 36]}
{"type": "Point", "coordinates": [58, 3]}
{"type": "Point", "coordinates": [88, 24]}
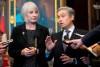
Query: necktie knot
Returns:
{"type": "Point", "coordinates": [66, 37]}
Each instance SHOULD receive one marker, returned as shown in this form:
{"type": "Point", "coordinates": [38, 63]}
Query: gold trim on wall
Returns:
{"type": "Point", "coordinates": [14, 12]}
{"type": "Point", "coordinates": [56, 24]}
{"type": "Point", "coordinates": [62, 3]}
{"type": "Point", "coordinates": [12, 18]}
{"type": "Point", "coordinates": [9, 17]}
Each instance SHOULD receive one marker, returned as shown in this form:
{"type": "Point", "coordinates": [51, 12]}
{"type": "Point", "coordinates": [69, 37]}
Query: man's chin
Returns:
{"type": "Point", "coordinates": [62, 27]}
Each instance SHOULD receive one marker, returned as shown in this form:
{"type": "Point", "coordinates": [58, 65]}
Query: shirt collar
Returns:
{"type": "Point", "coordinates": [71, 29]}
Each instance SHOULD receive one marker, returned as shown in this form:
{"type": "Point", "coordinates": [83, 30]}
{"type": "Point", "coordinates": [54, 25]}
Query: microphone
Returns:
{"type": "Point", "coordinates": [80, 35]}
{"type": "Point", "coordinates": [8, 41]}
{"type": "Point", "coordinates": [6, 44]}
{"type": "Point", "coordinates": [66, 42]}
{"type": "Point", "coordinates": [66, 39]}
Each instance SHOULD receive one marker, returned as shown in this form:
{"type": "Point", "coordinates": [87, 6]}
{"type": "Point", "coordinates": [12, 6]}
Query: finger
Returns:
{"type": "Point", "coordinates": [73, 46]}
{"type": "Point", "coordinates": [65, 62]}
{"type": "Point", "coordinates": [82, 58]}
{"type": "Point", "coordinates": [63, 57]}
{"type": "Point", "coordinates": [55, 41]}
{"type": "Point", "coordinates": [48, 38]}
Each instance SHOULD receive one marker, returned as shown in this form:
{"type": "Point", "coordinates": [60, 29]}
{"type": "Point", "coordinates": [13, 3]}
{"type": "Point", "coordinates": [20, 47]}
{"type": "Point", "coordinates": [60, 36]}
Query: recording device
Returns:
{"type": "Point", "coordinates": [8, 41]}
{"type": "Point", "coordinates": [66, 39]}
{"type": "Point", "coordinates": [6, 44]}
{"type": "Point", "coordinates": [80, 35]}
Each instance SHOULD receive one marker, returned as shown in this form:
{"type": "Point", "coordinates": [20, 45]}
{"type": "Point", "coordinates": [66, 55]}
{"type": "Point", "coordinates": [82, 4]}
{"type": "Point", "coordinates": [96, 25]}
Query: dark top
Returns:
{"type": "Point", "coordinates": [30, 38]}
{"type": "Point", "coordinates": [21, 41]}
{"type": "Point", "coordinates": [73, 53]}
{"type": "Point", "coordinates": [30, 62]}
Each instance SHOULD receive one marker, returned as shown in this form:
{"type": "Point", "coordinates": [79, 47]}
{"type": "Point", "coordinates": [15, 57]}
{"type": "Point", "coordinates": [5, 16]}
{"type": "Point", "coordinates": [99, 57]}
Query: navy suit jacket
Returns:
{"type": "Point", "coordinates": [92, 37]}
{"type": "Point", "coordinates": [73, 53]}
{"type": "Point", "coordinates": [19, 36]}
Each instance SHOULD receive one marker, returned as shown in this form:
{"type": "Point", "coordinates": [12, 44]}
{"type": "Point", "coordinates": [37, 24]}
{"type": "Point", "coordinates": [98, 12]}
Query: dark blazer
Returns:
{"type": "Point", "coordinates": [19, 36]}
{"type": "Point", "coordinates": [73, 53]}
{"type": "Point", "coordinates": [92, 37]}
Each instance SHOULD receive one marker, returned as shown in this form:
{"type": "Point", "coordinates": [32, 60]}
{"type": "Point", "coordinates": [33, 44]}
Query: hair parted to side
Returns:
{"type": "Point", "coordinates": [68, 9]}
{"type": "Point", "coordinates": [26, 7]}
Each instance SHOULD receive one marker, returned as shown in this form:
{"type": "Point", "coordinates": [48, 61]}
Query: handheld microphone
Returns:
{"type": "Point", "coordinates": [80, 35]}
{"type": "Point", "coordinates": [8, 41]}
{"type": "Point", "coordinates": [6, 44]}
{"type": "Point", "coordinates": [65, 41]}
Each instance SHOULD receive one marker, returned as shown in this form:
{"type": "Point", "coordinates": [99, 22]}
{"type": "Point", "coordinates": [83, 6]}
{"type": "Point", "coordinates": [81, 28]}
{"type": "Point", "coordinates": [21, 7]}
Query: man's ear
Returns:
{"type": "Point", "coordinates": [72, 17]}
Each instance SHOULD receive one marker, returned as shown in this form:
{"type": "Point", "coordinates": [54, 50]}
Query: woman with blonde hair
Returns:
{"type": "Point", "coordinates": [28, 46]}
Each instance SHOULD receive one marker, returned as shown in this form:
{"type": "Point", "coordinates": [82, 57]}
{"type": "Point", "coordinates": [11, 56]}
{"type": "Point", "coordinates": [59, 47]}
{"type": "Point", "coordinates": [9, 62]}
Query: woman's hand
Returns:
{"type": "Point", "coordinates": [28, 51]}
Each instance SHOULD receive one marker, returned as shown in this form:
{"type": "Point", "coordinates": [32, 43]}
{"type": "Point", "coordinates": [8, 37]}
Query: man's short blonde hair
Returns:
{"type": "Point", "coordinates": [26, 7]}
{"type": "Point", "coordinates": [68, 9]}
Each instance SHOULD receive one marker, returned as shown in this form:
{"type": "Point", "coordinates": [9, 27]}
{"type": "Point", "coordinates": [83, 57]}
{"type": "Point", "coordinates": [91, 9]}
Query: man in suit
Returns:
{"type": "Point", "coordinates": [89, 39]}
{"type": "Point", "coordinates": [64, 55]}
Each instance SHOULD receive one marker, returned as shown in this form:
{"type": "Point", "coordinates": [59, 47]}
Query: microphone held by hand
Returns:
{"type": "Point", "coordinates": [66, 40]}
{"type": "Point", "coordinates": [6, 44]}
{"type": "Point", "coordinates": [8, 41]}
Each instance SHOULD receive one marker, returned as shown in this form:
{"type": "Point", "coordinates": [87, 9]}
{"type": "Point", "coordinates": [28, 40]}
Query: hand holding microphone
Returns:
{"type": "Point", "coordinates": [66, 40]}
{"type": "Point", "coordinates": [2, 49]}
{"type": "Point", "coordinates": [5, 44]}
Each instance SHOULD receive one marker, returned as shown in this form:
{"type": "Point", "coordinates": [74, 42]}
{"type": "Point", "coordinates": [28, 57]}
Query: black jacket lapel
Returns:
{"type": "Point", "coordinates": [24, 32]}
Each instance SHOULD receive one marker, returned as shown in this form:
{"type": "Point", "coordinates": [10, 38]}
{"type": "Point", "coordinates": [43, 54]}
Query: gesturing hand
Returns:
{"type": "Point", "coordinates": [66, 59]}
{"type": "Point", "coordinates": [49, 43]}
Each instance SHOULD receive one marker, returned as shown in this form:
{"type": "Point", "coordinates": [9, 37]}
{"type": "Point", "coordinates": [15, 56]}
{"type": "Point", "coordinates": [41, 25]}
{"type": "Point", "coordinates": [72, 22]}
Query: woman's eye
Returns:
{"type": "Point", "coordinates": [31, 12]}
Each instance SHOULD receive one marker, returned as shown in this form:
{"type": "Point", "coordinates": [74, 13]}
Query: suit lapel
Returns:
{"type": "Point", "coordinates": [60, 41]}
{"type": "Point", "coordinates": [74, 36]}
{"type": "Point", "coordinates": [24, 32]}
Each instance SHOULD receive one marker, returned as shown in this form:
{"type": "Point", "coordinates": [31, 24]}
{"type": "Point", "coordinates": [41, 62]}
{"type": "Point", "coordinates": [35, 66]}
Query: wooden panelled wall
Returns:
{"type": "Point", "coordinates": [85, 17]}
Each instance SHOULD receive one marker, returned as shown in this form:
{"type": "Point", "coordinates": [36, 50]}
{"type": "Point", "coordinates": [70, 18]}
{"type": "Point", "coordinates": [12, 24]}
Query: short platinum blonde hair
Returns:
{"type": "Point", "coordinates": [68, 9]}
{"type": "Point", "coordinates": [26, 7]}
